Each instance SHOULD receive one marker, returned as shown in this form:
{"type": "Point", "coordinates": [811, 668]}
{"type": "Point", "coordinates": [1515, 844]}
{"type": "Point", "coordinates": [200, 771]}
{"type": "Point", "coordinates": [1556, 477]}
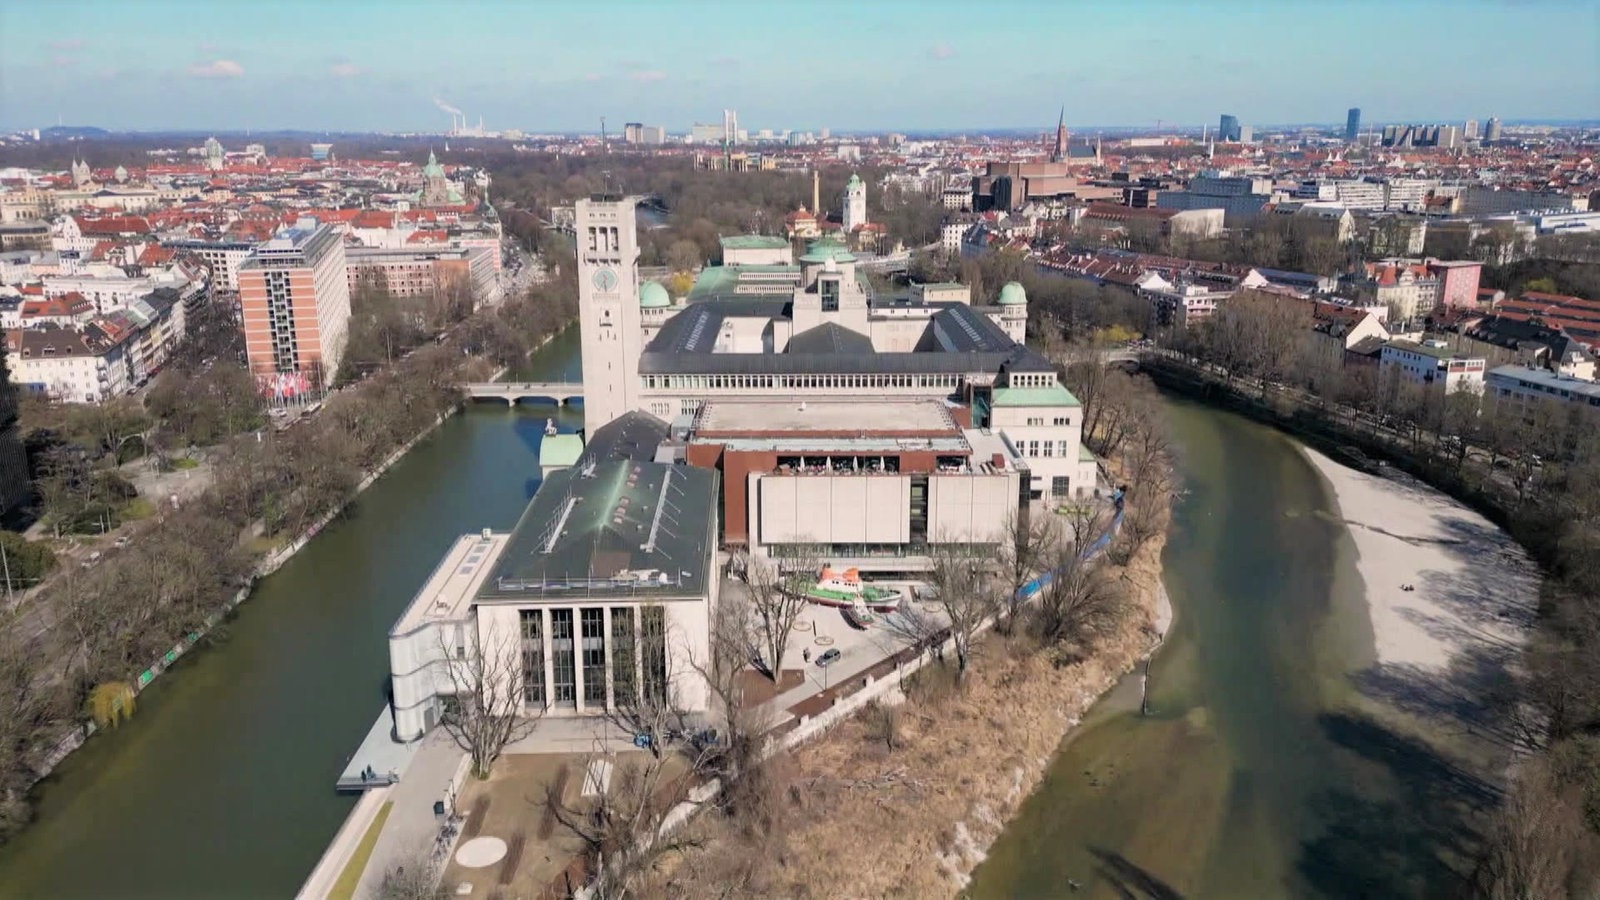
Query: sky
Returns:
{"type": "Point", "coordinates": [390, 65]}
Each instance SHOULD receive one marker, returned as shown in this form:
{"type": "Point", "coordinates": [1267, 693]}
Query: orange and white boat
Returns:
{"type": "Point", "coordinates": [845, 588]}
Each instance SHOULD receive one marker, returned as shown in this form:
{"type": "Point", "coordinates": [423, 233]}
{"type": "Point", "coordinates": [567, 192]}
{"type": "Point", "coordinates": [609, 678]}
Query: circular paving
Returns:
{"type": "Point", "coordinates": [481, 852]}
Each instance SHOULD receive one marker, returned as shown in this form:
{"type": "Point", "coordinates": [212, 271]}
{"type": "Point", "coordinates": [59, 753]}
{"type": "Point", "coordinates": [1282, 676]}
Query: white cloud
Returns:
{"type": "Point", "coordinates": [60, 61]}
{"type": "Point", "coordinates": [942, 51]}
{"type": "Point", "coordinates": [217, 68]}
{"type": "Point", "coordinates": [344, 70]}
{"type": "Point", "coordinates": [67, 44]}
{"type": "Point", "coordinates": [649, 75]}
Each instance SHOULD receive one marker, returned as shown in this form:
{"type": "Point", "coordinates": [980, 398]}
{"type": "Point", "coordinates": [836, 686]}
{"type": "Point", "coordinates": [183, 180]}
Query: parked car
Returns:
{"type": "Point", "coordinates": [829, 657]}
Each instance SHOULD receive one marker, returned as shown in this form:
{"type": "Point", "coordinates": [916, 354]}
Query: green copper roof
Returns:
{"type": "Point", "coordinates": [1050, 396]}
{"type": "Point", "coordinates": [653, 296]}
{"type": "Point", "coordinates": [560, 450]}
{"type": "Point", "coordinates": [1085, 454]}
{"type": "Point", "coordinates": [1013, 294]}
{"type": "Point", "coordinates": [754, 242]}
{"type": "Point", "coordinates": [433, 169]}
{"type": "Point", "coordinates": [822, 251]}
{"type": "Point", "coordinates": [855, 180]}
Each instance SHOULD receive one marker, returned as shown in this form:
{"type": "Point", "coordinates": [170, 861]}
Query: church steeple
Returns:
{"type": "Point", "coordinates": [1059, 154]}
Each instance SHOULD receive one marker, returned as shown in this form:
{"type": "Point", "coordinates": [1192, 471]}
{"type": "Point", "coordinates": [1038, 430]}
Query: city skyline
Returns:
{"type": "Point", "coordinates": [557, 68]}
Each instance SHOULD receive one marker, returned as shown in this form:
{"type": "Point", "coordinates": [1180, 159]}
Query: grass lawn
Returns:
{"type": "Point", "coordinates": [345, 887]}
{"type": "Point", "coordinates": [184, 462]}
{"type": "Point", "coordinates": [138, 508]}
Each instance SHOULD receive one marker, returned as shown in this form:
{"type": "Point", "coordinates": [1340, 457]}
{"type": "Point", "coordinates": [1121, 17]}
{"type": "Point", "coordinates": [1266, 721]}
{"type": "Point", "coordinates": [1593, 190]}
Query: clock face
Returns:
{"type": "Point", "coordinates": [605, 279]}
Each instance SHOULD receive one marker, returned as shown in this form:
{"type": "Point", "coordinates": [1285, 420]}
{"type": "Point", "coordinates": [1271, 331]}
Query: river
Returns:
{"type": "Point", "coordinates": [1259, 773]}
{"type": "Point", "coordinates": [221, 785]}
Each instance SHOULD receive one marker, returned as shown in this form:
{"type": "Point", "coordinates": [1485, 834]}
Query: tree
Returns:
{"type": "Point", "coordinates": [29, 707]}
{"type": "Point", "coordinates": [1025, 541]}
{"type": "Point", "coordinates": [485, 709]}
{"type": "Point", "coordinates": [414, 878]}
{"type": "Point", "coordinates": [967, 595]}
{"type": "Point", "coordinates": [1079, 603]}
{"type": "Point", "coordinates": [777, 598]}
{"type": "Point", "coordinates": [684, 256]}
{"type": "Point", "coordinates": [1537, 843]}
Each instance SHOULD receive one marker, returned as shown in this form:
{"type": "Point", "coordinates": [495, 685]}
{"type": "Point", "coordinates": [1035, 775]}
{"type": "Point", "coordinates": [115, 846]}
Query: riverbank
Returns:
{"type": "Point", "coordinates": [916, 788]}
{"type": "Point", "coordinates": [1452, 597]}
{"type": "Point", "coordinates": [270, 562]}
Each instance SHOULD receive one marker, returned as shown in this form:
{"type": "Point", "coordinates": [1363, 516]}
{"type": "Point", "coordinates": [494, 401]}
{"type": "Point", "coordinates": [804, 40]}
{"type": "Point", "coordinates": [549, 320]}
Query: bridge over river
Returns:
{"type": "Point", "coordinates": [556, 393]}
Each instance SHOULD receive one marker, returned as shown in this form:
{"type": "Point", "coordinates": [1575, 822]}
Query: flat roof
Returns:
{"type": "Point", "coordinates": [1055, 395]}
{"type": "Point", "coordinates": [1423, 349]}
{"type": "Point", "coordinates": [1550, 382]}
{"type": "Point", "coordinates": [448, 592]}
{"type": "Point", "coordinates": [754, 242]}
{"type": "Point", "coordinates": [860, 417]}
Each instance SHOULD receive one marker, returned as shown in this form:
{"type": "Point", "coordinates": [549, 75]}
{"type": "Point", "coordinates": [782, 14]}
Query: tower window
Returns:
{"type": "Point", "coordinates": [829, 288]}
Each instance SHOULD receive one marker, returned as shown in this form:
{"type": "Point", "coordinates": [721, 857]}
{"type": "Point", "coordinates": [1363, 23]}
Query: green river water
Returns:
{"type": "Point", "coordinates": [1261, 771]}
{"type": "Point", "coordinates": [1255, 777]}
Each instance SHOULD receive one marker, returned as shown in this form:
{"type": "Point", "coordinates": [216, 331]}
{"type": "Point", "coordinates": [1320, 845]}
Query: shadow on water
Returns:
{"type": "Point", "coordinates": [1411, 836]}
{"type": "Point", "coordinates": [1128, 880]}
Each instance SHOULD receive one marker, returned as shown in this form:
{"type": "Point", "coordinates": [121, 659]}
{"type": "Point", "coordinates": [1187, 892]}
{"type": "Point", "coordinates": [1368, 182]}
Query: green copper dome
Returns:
{"type": "Point", "coordinates": [1013, 295]}
{"type": "Point", "coordinates": [855, 180]}
{"type": "Point", "coordinates": [653, 296]}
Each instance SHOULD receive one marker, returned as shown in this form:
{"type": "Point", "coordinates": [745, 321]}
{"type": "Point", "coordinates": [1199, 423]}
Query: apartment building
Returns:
{"type": "Point", "coordinates": [294, 295]}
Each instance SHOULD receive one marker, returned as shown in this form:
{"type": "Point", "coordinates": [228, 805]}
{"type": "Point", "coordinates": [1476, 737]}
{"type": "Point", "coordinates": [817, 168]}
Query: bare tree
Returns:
{"type": "Point", "coordinates": [777, 598]}
{"type": "Point", "coordinates": [1079, 603]}
{"type": "Point", "coordinates": [966, 593]}
{"type": "Point", "coordinates": [414, 878]}
{"type": "Point", "coordinates": [1025, 541]}
{"type": "Point", "coordinates": [485, 710]}
{"type": "Point", "coordinates": [1537, 842]}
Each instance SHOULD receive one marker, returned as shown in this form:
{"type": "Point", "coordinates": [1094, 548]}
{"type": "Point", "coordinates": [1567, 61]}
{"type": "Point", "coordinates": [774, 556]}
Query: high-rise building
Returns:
{"type": "Point", "coordinates": [294, 296]}
{"type": "Point", "coordinates": [705, 133]}
{"type": "Point", "coordinates": [730, 127]}
{"type": "Point", "coordinates": [1470, 130]}
{"type": "Point", "coordinates": [1228, 128]}
{"type": "Point", "coordinates": [632, 133]}
{"type": "Point", "coordinates": [1352, 124]}
{"type": "Point", "coordinates": [1491, 131]}
{"type": "Point", "coordinates": [608, 306]}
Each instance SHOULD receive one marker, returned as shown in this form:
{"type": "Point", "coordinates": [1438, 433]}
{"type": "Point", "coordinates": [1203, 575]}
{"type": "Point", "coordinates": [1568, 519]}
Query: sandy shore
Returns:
{"type": "Point", "coordinates": [1474, 590]}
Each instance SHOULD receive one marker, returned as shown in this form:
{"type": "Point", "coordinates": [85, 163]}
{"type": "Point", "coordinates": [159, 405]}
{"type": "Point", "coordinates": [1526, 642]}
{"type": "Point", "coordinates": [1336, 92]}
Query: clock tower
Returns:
{"type": "Point", "coordinates": [608, 307]}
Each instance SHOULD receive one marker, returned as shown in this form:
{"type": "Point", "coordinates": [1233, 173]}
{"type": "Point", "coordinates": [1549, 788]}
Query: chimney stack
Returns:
{"type": "Point", "coordinates": [816, 194]}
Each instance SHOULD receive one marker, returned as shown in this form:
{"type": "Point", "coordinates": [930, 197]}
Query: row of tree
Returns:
{"type": "Point", "coordinates": [109, 621]}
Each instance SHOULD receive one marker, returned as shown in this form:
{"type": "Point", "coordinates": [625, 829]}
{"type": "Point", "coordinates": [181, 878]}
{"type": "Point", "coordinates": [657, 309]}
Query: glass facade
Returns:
{"type": "Point", "coordinates": [624, 662]}
{"type": "Point", "coordinates": [533, 658]}
{"type": "Point", "coordinates": [593, 625]}
{"type": "Point", "coordinates": [562, 648]}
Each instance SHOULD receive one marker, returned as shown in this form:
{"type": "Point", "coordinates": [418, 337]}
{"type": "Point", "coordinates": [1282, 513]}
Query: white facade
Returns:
{"type": "Point", "coordinates": [608, 307]}
{"type": "Point", "coordinates": [855, 204]}
{"type": "Point", "coordinates": [1432, 365]}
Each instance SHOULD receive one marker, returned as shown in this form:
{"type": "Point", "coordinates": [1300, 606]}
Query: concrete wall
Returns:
{"type": "Point", "coordinates": [830, 509]}
{"type": "Point", "coordinates": [969, 508]}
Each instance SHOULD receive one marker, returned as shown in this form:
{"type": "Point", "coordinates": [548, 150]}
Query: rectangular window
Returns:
{"type": "Point", "coordinates": [561, 647]}
{"type": "Point", "coordinates": [1048, 447]}
{"type": "Point", "coordinates": [1060, 486]}
{"type": "Point", "coordinates": [533, 658]}
{"type": "Point", "coordinates": [1033, 448]}
{"type": "Point", "coordinates": [1063, 449]}
{"type": "Point", "coordinates": [829, 288]}
{"type": "Point", "coordinates": [624, 665]}
{"type": "Point", "coordinates": [653, 649]}
{"type": "Point", "coordinates": [593, 623]}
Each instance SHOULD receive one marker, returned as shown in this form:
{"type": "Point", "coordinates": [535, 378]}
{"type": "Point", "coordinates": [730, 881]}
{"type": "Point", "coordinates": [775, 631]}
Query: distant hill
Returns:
{"type": "Point", "coordinates": [71, 133]}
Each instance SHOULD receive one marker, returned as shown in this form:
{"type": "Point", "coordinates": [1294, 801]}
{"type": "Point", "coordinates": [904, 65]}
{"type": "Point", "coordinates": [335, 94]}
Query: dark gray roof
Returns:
{"type": "Point", "coordinates": [695, 329]}
{"type": "Point", "coordinates": [829, 337]}
{"type": "Point", "coordinates": [960, 328]}
{"type": "Point", "coordinates": [619, 528]}
{"type": "Point", "coordinates": [633, 435]}
{"type": "Point", "coordinates": [959, 340]}
{"type": "Point", "coordinates": [1516, 334]}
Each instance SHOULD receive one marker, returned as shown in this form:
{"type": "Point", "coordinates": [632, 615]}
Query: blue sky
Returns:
{"type": "Point", "coordinates": [559, 66]}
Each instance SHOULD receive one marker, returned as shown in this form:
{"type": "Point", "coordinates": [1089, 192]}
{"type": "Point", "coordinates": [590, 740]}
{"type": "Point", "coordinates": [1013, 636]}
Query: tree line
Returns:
{"type": "Point", "coordinates": [105, 623]}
